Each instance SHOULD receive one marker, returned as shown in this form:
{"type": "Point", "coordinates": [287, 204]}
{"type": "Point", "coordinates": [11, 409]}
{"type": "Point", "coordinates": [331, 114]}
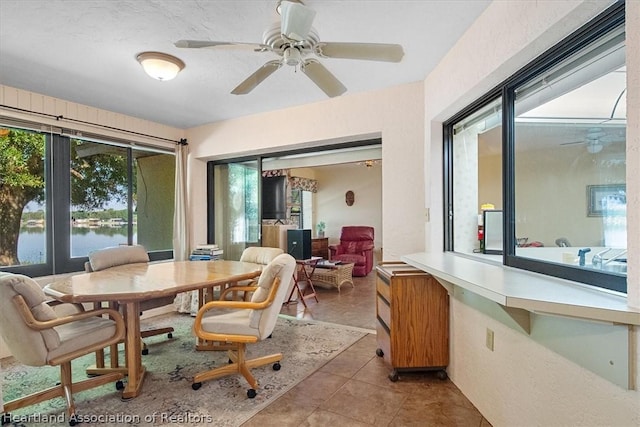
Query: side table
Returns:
{"type": "Point", "coordinates": [301, 268]}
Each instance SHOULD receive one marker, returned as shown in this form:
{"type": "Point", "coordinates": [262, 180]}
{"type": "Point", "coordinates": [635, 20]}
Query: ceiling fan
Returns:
{"type": "Point", "coordinates": [595, 140]}
{"type": "Point", "coordinates": [297, 42]}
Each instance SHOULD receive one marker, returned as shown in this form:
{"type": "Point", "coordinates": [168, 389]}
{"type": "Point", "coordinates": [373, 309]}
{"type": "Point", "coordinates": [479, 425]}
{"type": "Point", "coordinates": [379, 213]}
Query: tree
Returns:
{"type": "Point", "coordinates": [21, 181]}
{"type": "Point", "coordinates": [98, 177]}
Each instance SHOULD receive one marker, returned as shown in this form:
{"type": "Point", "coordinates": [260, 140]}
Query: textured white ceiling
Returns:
{"type": "Point", "coordinates": [84, 51]}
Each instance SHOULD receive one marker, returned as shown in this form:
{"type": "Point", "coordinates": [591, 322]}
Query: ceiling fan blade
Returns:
{"type": "Point", "coordinates": [296, 20]}
{"type": "Point", "coordinates": [200, 44]}
{"type": "Point", "coordinates": [256, 78]}
{"type": "Point", "coordinates": [573, 142]}
{"type": "Point", "coordinates": [367, 51]}
{"type": "Point", "coordinates": [323, 78]}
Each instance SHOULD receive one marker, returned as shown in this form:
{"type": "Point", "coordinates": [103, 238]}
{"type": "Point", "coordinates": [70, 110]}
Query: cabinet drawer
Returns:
{"type": "Point", "coordinates": [384, 311]}
{"type": "Point", "coordinates": [383, 289]}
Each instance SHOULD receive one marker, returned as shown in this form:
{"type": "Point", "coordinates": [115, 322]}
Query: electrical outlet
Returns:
{"type": "Point", "coordinates": [489, 339]}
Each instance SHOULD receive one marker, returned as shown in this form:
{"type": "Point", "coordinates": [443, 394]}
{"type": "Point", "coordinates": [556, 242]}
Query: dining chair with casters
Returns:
{"type": "Point", "coordinates": [258, 255]}
{"type": "Point", "coordinates": [245, 322]}
{"type": "Point", "coordinates": [103, 259]}
{"type": "Point", "coordinates": [37, 335]}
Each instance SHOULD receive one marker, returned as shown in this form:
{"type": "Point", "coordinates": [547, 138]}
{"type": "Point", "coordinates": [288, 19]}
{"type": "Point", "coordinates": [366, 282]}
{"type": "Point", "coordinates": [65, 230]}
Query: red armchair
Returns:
{"type": "Point", "coordinates": [356, 246]}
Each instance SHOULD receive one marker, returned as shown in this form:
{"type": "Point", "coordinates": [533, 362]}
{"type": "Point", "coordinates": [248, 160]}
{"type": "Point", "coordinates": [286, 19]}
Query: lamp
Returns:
{"type": "Point", "coordinates": [160, 66]}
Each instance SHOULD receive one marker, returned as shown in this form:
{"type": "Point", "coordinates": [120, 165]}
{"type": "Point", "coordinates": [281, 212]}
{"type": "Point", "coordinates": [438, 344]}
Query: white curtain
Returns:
{"type": "Point", "coordinates": [186, 302]}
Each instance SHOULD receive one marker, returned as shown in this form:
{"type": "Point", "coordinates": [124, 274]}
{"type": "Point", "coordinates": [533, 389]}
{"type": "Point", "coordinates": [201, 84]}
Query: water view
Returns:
{"type": "Point", "coordinates": [31, 243]}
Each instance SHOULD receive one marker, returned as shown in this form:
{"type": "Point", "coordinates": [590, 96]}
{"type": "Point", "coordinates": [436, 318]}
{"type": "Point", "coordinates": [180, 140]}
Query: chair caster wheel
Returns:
{"type": "Point", "coordinates": [379, 352]}
{"type": "Point", "coordinates": [276, 366]}
{"type": "Point", "coordinates": [393, 376]}
{"type": "Point", "coordinates": [145, 351]}
{"type": "Point", "coordinates": [72, 420]}
{"type": "Point", "coordinates": [251, 393]}
{"type": "Point", "coordinates": [169, 335]}
{"type": "Point", "coordinates": [230, 361]}
{"type": "Point", "coordinates": [119, 385]}
{"type": "Point", "coordinates": [196, 386]}
{"type": "Point", "coordinates": [442, 375]}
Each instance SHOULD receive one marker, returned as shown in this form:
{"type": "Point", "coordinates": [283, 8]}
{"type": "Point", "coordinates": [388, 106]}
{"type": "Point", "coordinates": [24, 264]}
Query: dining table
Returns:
{"type": "Point", "coordinates": [128, 285]}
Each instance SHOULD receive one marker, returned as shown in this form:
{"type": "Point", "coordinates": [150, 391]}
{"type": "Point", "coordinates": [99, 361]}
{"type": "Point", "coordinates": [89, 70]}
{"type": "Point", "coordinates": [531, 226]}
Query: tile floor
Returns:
{"type": "Point", "coordinates": [353, 389]}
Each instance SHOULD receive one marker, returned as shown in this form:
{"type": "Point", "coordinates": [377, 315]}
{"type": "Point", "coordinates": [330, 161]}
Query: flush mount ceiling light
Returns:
{"type": "Point", "coordinates": [160, 66]}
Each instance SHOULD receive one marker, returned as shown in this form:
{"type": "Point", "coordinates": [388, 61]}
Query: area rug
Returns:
{"type": "Point", "coordinates": [167, 397]}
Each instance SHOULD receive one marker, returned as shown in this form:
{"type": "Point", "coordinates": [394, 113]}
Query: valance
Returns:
{"type": "Point", "coordinates": [295, 182]}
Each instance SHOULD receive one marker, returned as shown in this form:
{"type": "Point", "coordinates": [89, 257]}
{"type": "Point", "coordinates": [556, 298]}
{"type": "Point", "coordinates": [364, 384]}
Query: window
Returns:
{"type": "Point", "coordinates": [64, 197]}
{"type": "Point", "coordinates": [546, 151]}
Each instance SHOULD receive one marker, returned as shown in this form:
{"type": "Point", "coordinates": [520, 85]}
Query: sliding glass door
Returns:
{"type": "Point", "coordinates": [236, 207]}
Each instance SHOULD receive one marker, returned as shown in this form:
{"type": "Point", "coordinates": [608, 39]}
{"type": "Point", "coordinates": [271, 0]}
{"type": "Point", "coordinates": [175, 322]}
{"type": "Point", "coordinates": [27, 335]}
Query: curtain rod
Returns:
{"type": "Point", "coordinates": [61, 117]}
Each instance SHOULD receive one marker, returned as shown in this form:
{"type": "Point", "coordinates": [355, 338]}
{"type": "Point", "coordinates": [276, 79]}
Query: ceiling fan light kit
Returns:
{"type": "Point", "coordinates": [594, 147]}
{"type": "Point", "coordinates": [160, 66]}
{"type": "Point", "coordinates": [296, 42]}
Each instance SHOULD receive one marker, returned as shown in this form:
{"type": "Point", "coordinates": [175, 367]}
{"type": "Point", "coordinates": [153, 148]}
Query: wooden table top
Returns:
{"type": "Point", "coordinates": [136, 282]}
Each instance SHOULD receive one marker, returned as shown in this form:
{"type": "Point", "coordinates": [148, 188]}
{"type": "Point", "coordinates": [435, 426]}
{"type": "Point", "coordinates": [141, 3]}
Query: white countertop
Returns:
{"type": "Point", "coordinates": [521, 289]}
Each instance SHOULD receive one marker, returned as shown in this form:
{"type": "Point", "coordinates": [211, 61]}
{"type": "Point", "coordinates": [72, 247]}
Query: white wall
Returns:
{"type": "Point", "coordinates": [396, 115]}
{"type": "Point", "coordinates": [522, 382]}
{"type": "Point", "coordinates": [366, 184]}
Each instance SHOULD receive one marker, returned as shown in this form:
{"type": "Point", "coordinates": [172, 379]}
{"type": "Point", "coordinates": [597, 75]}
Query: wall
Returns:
{"type": "Point", "coordinates": [395, 114]}
{"type": "Point", "coordinates": [523, 382]}
{"type": "Point", "coordinates": [366, 183]}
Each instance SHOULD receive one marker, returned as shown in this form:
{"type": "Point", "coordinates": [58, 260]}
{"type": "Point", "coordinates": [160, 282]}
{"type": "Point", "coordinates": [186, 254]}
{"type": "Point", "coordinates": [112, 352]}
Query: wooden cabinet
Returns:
{"type": "Point", "coordinates": [320, 247]}
{"type": "Point", "coordinates": [412, 311]}
{"type": "Point", "coordinates": [275, 236]}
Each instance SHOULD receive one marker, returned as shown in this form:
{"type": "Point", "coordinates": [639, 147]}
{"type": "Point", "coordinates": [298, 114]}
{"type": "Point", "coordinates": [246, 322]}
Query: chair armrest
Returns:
{"type": "Point", "coordinates": [368, 247]}
{"type": "Point", "coordinates": [335, 249]}
{"type": "Point", "coordinates": [197, 323]}
{"type": "Point", "coordinates": [39, 325]}
{"type": "Point", "coordinates": [250, 288]}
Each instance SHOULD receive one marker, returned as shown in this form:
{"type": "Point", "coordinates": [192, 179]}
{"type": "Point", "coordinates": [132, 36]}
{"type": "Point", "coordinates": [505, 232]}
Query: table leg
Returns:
{"type": "Point", "coordinates": [133, 351]}
{"type": "Point", "coordinates": [308, 275]}
{"type": "Point", "coordinates": [99, 368]}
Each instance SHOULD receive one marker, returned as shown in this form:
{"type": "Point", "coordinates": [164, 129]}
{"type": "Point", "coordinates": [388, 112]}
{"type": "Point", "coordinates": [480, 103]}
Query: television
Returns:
{"type": "Point", "coordinates": [274, 197]}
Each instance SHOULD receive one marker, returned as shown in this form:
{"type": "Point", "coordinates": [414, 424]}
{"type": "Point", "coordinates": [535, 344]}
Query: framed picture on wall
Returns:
{"type": "Point", "coordinates": [599, 196]}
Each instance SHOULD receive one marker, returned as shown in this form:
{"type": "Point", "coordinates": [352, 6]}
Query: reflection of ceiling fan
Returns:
{"type": "Point", "coordinates": [596, 139]}
{"type": "Point", "coordinates": [294, 40]}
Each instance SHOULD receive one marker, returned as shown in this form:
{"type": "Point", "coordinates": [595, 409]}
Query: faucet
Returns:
{"type": "Point", "coordinates": [581, 254]}
{"type": "Point", "coordinates": [596, 261]}
{"type": "Point", "coordinates": [599, 261]}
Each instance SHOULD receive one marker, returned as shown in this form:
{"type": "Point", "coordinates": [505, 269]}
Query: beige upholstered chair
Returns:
{"type": "Point", "coordinates": [247, 322]}
{"type": "Point", "coordinates": [257, 255]}
{"type": "Point", "coordinates": [38, 336]}
{"type": "Point", "coordinates": [102, 259]}
{"type": "Point", "coordinates": [260, 255]}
